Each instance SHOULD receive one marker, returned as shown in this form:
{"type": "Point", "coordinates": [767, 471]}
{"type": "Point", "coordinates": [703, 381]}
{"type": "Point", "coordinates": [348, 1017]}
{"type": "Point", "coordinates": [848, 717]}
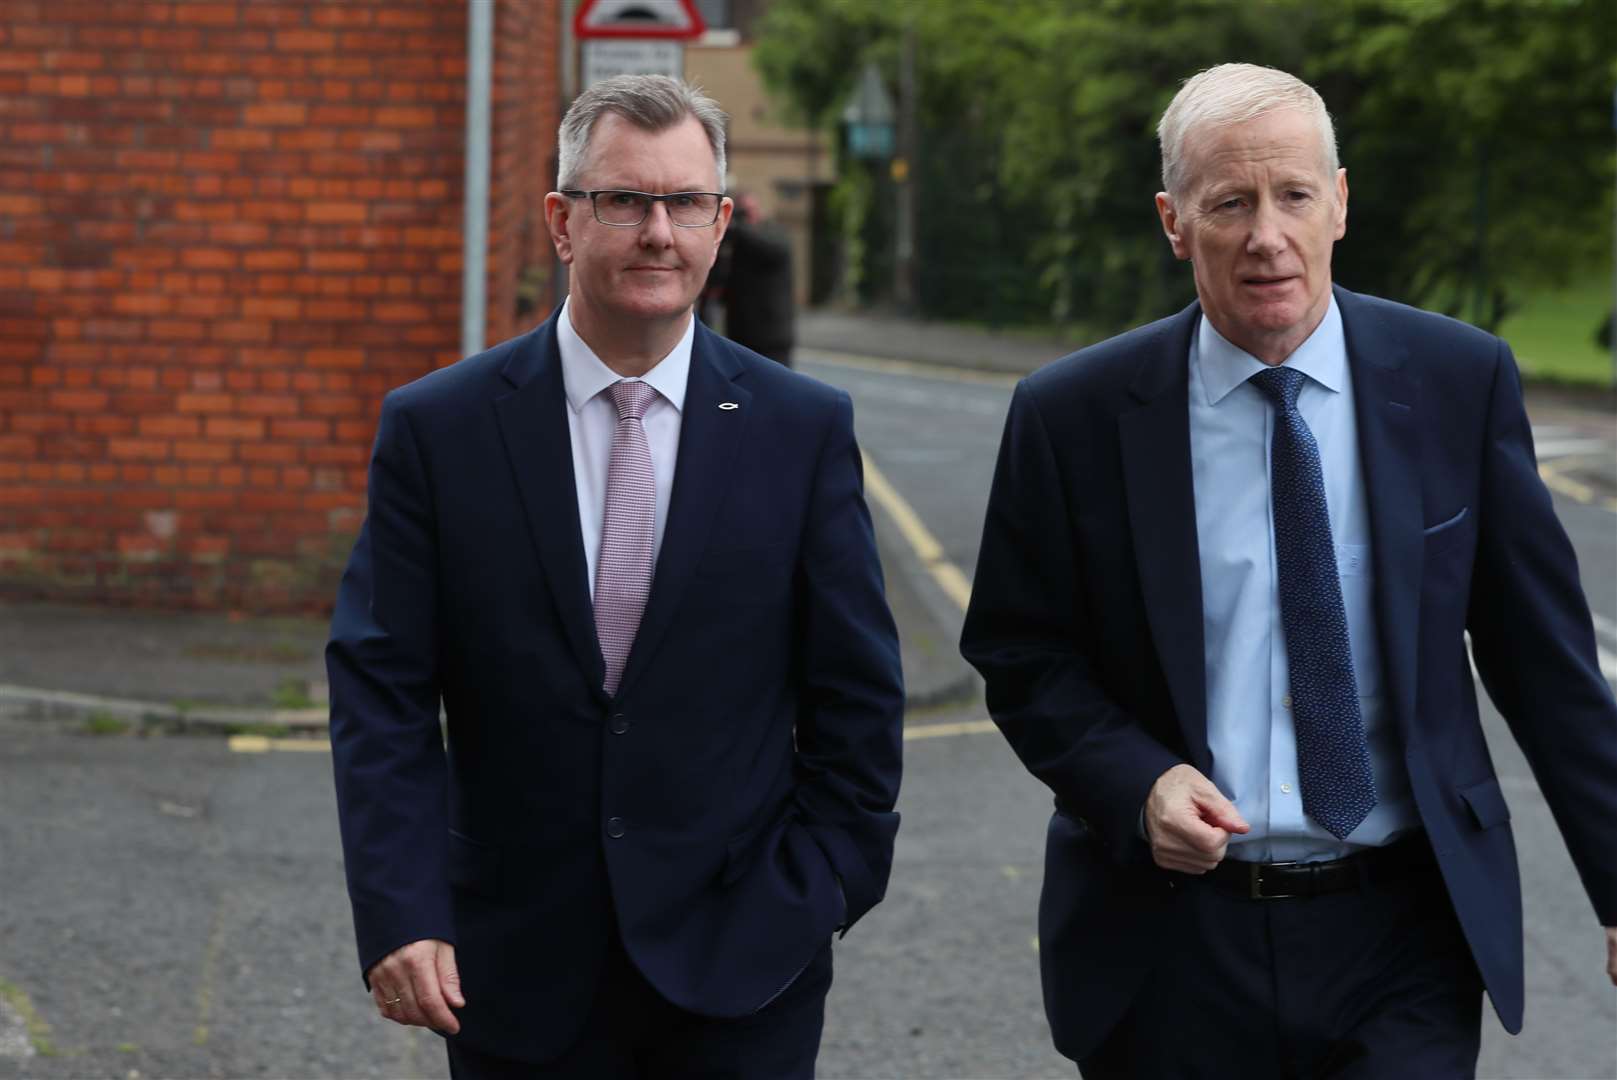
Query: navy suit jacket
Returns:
{"type": "Point", "coordinates": [747, 767]}
{"type": "Point", "coordinates": [1086, 622]}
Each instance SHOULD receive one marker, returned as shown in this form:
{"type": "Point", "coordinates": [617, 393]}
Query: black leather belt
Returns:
{"type": "Point", "coordinates": [1286, 880]}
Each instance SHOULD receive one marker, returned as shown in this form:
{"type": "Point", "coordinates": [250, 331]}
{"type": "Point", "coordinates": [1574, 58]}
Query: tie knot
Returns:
{"type": "Point", "coordinates": [1281, 385]}
{"type": "Point", "coordinates": [633, 398]}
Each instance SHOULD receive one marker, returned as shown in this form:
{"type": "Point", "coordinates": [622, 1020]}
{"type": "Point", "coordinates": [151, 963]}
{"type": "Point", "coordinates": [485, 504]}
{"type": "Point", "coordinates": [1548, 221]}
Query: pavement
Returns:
{"type": "Point", "coordinates": [115, 669]}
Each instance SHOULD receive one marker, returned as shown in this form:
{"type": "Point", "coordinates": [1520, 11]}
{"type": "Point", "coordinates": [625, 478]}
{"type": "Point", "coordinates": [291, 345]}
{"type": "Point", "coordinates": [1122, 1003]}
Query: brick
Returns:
{"type": "Point", "coordinates": [225, 427]}
{"type": "Point", "coordinates": [335, 358]}
{"type": "Point", "coordinates": [404, 116]}
{"type": "Point", "coordinates": [151, 258]}
{"type": "Point", "coordinates": [78, 400]}
{"type": "Point", "coordinates": [276, 114]}
{"type": "Point", "coordinates": [203, 500]}
{"type": "Point", "coordinates": [44, 279]}
{"type": "Point", "coordinates": [196, 13]}
{"type": "Point", "coordinates": [137, 449]}
{"type": "Point", "coordinates": [333, 405]}
{"type": "Point", "coordinates": [340, 115]}
{"type": "Point", "coordinates": [313, 41]}
{"type": "Point", "coordinates": [242, 330]}
{"type": "Point", "coordinates": [270, 501]}
{"type": "Point", "coordinates": [210, 259]}
{"type": "Point", "coordinates": [205, 403]}
{"type": "Point", "coordinates": [307, 430]}
{"type": "Point", "coordinates": [245, 233]}
{"type": "Point", "coordinates": [169, 427]}
{"type": "Point", "coordinates": [332, 212]}
{"type": "Point", "coordinates": [203, 451]}
{"type": "Point", "coordinates": [142, 304]}
{"type": "Point", "coordinates": [307, 139]}
{"type": "Point", "coordinates": [400, 312]}
{"type": "Point", "coordinates": [268, 405]}
{"type": "Point", "coordinates": [207, 306]}
{"type": "Point", "coordinates": [269, 452]}
{"type": "Point", "coordinates": [146, 159]}
{"type": "Point", "coordinates": [272, 307]}
{"type": "Point", "coordinates": [177, 330]}
{"type": "Point", "coordinates": [335, 310]}
{"type": "Point", "coordinates": [241, 139]}
{"type": "Point", "coordinates": [12, 205]}
{"type": "Point", "coordinates": [265, 210]}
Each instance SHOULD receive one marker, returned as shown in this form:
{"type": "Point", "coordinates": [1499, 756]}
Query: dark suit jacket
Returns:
{"type": "Point", "coordinates": [749, 761]}
{"type": "Point", "coordinates": [1086, 622]}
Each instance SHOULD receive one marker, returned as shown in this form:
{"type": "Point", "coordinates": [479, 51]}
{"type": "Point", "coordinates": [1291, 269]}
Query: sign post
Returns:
{"type": "Point", "coordinates": [635, 37]}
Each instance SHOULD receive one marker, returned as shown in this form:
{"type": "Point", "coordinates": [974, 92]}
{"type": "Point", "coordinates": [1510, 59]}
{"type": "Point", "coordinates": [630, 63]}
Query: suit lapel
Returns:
{"type": "Point", "coordinates": [1387, 407]}
{"type": "Point", "coordinates": [708, 440]}
{"type": "Point", "coordinates": [1155, 442]}
{"type": "Point", "coordinates": [533, 424]}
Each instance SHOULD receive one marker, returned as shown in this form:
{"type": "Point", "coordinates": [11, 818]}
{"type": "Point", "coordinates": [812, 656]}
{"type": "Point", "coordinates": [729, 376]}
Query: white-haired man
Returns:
{"type": "Point", "coordinates": [633, 561]}
{"type": "Point", "coordinates": [1229, 563]}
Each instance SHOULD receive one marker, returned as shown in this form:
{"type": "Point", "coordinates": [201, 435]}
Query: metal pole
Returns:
{"type": "Point", "coordinates": [569, 90]}
{"type": "Point", "coordinates": [1611, 327]}
{"type": "Point", "coordinates": [474, 233]}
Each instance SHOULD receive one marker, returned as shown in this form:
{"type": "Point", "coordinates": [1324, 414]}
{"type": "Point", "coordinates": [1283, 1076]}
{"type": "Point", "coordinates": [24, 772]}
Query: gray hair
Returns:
{"type": "Point", "coordinates": [1234, 94]}
{"type": "Point", "coordinates": [650, 102]}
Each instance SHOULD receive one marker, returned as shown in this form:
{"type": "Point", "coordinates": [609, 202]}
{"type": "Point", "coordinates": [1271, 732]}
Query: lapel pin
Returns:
{"type": "Point", "coordinates": [728, 405]}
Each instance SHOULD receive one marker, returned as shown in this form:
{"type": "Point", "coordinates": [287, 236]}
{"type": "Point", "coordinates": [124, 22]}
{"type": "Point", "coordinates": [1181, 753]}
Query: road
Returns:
{"type": "Point", "coordinates": [175, 906]}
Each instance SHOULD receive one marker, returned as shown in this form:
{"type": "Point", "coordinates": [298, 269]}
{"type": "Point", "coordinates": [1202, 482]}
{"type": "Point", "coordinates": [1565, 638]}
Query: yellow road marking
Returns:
{"type": "Point", "coordinates": [1550, 473]}
{"type": "Point", "coordinates": [948, 576]}
{"type": "Point", "coordinates": [888, 366]}
{"type": "Point", "coordinates": [261, 744]}
{"type": "Point", "coordinates": [940, 731]}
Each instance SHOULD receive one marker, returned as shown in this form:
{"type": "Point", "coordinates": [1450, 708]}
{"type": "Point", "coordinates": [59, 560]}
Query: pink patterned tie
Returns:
{"type": "Point", "coordinates": [623, 571]}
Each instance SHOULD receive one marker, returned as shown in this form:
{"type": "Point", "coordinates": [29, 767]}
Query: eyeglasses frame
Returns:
{"type": "Point", "coordinates": [575, 193]}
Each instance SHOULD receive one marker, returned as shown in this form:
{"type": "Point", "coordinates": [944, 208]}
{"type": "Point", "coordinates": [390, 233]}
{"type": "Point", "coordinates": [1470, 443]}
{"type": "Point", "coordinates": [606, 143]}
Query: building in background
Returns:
{"type": "Point", "coordinates": [227, 228]}
{"type": "Point", "coordinates": [789, 169]}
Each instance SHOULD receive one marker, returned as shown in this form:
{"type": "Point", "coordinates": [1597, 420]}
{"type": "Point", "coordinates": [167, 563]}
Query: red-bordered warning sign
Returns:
{"type": "Point", "coordinates": [676, 19]}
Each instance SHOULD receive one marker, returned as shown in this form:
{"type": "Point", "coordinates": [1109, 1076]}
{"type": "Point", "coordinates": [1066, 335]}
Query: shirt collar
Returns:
{"type": "Point", "coordinates": [584, 375]}
{"type": "Point", "coordinates": [1323, 357]}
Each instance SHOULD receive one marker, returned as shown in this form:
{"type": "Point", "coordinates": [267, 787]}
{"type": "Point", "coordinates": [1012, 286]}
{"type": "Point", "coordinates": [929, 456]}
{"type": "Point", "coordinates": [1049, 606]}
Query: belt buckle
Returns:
{"type": "Point", "coordinates": [1255, 882]}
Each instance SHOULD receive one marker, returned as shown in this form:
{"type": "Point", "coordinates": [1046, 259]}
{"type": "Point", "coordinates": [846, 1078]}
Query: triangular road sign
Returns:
{"type": "Point", "coordinates": [638, 19]}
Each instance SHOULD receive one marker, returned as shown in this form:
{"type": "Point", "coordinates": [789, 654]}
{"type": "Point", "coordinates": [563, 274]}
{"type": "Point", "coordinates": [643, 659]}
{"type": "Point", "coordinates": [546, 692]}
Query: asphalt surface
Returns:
{"type": "Point", "coordinates": [170, 906]}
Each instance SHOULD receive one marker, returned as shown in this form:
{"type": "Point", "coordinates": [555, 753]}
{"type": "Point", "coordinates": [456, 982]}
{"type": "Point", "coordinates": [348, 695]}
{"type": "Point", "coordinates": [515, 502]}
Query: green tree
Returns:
{"type": "Point", "coordinates": [1476, 133]}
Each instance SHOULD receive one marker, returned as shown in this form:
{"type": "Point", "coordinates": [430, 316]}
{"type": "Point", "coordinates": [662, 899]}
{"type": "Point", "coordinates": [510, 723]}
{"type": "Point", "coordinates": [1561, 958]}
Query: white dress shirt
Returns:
{"type": "Point", "coordinates": [1249, 723]}
{"type": "Point", "coordinates": [592, 418]}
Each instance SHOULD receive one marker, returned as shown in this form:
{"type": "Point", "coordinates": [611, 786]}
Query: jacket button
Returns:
{"type": "Point", "coordinates": [620, 723]}
{"type": "Point", "coordinates": [614, 827]}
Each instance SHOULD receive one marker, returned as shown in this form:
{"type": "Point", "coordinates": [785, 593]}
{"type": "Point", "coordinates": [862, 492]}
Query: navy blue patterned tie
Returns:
{"type": "Point", "coordinates": [1333, 759]}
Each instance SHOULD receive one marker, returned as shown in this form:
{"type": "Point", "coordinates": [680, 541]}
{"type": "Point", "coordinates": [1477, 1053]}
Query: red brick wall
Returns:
{"type": "Point", "coordinates": [227, 227]}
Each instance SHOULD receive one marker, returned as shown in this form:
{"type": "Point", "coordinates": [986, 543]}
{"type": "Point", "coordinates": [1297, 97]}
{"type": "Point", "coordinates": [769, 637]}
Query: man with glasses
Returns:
{"type": "Point", "coordinates": [634, 563]}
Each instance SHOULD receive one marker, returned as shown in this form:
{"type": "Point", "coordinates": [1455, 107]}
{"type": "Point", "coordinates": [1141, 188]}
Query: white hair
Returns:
{"type": "Point", "coordinates": [649, 102]}
{"type": "Point", "coordinates": [1234, 94]}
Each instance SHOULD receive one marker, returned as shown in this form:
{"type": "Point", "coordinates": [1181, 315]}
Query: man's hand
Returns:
{"type": "Point", "coordinates": [1189, 821]}
{"type": "Point", "coordinates": [1611, 953]}
{"type": "Point", "coordinates": [418, 984]}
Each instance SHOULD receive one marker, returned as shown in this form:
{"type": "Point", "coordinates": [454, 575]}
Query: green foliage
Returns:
{"type": "Point", "coordinates": [1477, 136]}
{"type": "Point", "coordinates": [105, 723]}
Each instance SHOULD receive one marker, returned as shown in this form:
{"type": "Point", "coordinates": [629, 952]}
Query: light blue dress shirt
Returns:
{"type": "Point", "coordinates": [1249, 723]}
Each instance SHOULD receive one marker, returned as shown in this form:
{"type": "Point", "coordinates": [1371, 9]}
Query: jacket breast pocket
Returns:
{"type": "Point", "coordinates": [474, 866]}
{"type": "Point", "coordinates": [1449, 532]}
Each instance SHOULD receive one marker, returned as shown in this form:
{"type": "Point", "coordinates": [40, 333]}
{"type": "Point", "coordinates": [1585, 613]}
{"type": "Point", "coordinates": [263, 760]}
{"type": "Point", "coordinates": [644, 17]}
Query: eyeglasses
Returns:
{"type": "Point", "coordinates": [625, 209]}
